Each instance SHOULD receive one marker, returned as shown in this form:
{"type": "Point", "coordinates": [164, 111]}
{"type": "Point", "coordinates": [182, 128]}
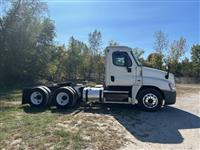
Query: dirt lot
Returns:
{"type": "Point", "coordinates": [103, 127]}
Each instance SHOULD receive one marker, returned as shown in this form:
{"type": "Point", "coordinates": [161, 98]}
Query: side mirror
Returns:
{"type": "Point", "coordinates": [168, 70]}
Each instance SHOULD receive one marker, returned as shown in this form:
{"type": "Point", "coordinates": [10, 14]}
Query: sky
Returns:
{"type": "Point", "coordinates": [130, 23]}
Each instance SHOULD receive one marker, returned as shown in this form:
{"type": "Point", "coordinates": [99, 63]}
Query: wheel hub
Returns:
{"type": "Point", "coordinates": [150, 100]}
{"type": "Point", "coordinates": [62, 98]}
{"type": "Point", "coordinates": [36, 98]}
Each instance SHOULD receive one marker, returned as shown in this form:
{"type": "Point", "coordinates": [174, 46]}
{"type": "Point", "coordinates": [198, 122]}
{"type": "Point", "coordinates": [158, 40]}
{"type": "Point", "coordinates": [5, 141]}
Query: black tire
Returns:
{"type": "Point", "coordinates": [150, 100]}
{"type": "Point", "coordinates": [49, 94]}
{"type": "Point", "coordinates": [38, 97]}
{"type": "Point", "coordinates": [75, 97]}
{"type": "Point", "coordinates": [63, 97]}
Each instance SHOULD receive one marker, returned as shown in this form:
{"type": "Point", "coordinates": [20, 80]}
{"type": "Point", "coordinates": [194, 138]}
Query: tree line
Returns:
{"type": "Point", "coordinates": [172, 54]}
{"type": "Point", "coordinates": [29, 53]}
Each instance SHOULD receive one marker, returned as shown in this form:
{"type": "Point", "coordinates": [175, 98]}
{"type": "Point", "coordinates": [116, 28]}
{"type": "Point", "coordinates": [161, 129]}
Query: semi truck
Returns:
{"type": "Point", "coordinates": [126, 82]}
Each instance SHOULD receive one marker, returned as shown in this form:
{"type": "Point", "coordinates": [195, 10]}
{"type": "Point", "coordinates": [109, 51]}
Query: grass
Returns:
{"type": "Point", "coordinates": [24, 127]}
{"type": "Point", "coordinates": [10, 95]}
{"type": "Point", "coordinates": [66, 137]}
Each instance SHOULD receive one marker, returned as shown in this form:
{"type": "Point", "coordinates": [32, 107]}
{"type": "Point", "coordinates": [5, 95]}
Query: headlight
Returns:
{"type": "Point", "coordinates": [172, 87]}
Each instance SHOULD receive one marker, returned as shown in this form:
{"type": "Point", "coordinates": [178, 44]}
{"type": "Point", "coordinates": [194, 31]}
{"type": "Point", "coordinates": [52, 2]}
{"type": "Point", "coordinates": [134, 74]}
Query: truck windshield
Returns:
{"type": "Point", "coordinates": [136, 59]}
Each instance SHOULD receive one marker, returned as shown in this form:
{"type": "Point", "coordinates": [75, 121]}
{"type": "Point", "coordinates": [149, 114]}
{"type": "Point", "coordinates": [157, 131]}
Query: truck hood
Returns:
{"type": "Point", "coordinates": [155, 73]}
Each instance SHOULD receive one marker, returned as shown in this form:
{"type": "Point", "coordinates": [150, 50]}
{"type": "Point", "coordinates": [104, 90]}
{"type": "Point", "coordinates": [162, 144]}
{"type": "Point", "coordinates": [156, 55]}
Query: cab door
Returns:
{"type": "Point", "coordinates": [122, 69]}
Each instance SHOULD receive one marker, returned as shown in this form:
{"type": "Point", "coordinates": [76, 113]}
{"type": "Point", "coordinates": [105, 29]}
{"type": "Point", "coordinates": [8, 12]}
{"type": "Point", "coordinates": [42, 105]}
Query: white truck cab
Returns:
{"type": "Point", "coordinates": [149, 88]}
{"type": "Point", "coordinates": [126, 82]}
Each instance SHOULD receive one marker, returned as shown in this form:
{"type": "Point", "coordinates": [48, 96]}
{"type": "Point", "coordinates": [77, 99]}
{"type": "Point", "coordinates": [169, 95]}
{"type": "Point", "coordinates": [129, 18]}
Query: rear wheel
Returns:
{"type": "Point", "coordinates": [38, 97]}
{"type": "Point", "coordinates": [150, 100]}
{"type": "Point", "coordinates": [63, 97]}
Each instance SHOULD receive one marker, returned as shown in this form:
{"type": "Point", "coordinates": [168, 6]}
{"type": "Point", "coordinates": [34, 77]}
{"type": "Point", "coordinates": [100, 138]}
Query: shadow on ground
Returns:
{"type": "Point", "coordinates": [158, 127]}
{"type": "Point", "coordinates": [35, 110]}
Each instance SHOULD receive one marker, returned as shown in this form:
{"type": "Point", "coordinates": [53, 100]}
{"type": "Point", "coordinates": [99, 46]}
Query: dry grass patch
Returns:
{"type": "Point", "coordinates": [183, 89]}
{"type": "Point", "coordinates": [99, 131]}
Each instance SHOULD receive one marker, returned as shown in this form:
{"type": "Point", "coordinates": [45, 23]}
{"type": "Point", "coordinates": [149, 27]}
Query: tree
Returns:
{"type": "Point", "coordinates": [84, 68]}
{"type": "Point", "coordinates": [138, 52]}
{"type": "Point", "coordinates": [74, 58]}
{"type": "Point", "coordinates": [161, 42]}
{"type": "Point", "coordinates": [26, 38]}
{"type": "Point", "coordinates": [160, 46]}
{"type": "Point", "coordinates": [177, 49]}
{"type": "Point", "coordinates": [95, 42]}
{"type": "Point", "coordinates": [153, 60]}
{"type": "Point", "coordinates": [195, 51]}
{"type": "Point", "coordinates": [113, 43]}
{"type": "Point", "coordinates": [56, 66]}
{"type": "Point", "coordinates": [185, 68]}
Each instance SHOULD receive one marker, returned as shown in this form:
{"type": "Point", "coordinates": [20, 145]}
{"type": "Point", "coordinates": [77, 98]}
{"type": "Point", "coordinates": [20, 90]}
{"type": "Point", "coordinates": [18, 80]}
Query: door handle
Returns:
{"type": "Point", "coordinates": [112, 78]}
{"type": "Point", "coordinates": [128, 69]}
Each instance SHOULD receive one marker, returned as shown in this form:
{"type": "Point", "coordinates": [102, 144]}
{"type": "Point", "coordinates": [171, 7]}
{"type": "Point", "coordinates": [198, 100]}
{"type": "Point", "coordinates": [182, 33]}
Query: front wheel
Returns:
{"type": "Point", "coordinates": [150, 100]}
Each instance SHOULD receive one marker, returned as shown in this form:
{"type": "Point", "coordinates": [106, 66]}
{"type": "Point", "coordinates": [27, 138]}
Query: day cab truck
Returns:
{"type": "Point", "coordinates": [126, 82]}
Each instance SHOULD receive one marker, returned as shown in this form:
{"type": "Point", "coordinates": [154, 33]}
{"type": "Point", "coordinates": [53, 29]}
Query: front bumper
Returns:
{"type": "Point", "coordinates": [170, 97]}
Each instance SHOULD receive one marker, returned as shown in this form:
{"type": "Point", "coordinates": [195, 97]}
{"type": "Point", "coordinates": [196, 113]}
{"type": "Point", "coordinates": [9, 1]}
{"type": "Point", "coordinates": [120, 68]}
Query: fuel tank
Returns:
{"type": "Point", "coordinates": [93, 94]}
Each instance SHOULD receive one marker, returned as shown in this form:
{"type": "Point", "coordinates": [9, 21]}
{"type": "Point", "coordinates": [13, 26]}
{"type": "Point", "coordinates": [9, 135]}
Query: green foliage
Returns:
{"type": "Point", "coordinates": [154, 60]}
{"type": "Point", "coordinates": [195, 51]}
{"type": "Point", "coordinates": [26, 38]}
{"type": "Point", "coordinates": [186, 68]}
{"type": "Point", "coordinates": [74, 62]}
{"type": "Point", "coordinates": [96, 66]}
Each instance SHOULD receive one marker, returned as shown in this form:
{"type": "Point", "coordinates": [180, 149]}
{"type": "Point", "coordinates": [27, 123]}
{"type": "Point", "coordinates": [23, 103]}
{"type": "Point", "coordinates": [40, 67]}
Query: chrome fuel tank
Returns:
{"type": "Point", "coordinates": [92, 94]}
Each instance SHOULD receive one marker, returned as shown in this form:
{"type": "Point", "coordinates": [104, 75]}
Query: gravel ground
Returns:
{"type": "Point", "coordinates": [173, 127]}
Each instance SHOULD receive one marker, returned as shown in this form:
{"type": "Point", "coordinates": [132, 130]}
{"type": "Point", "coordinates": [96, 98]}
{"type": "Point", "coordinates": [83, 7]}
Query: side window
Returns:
{"type": "Point", "coordinates": [121, 58]}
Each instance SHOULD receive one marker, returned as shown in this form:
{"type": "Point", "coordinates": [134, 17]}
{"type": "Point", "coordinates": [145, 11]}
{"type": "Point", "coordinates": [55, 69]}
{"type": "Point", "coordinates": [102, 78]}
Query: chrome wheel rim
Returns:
{"type": "Point", "coordinates": [62, 98]}
{"type": "Point", "coordinates": [150, 100]}
{"type": "Point", "coordinates": [36, 98]}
